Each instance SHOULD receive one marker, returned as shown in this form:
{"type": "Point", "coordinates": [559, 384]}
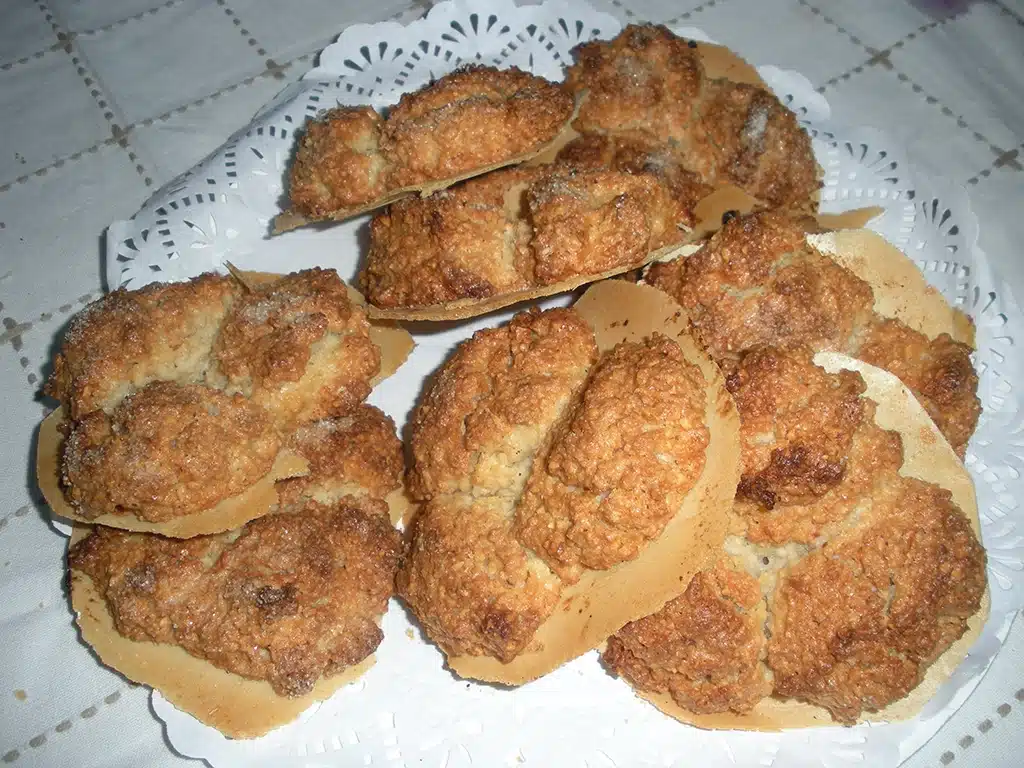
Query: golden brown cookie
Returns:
{"type": "Point", "coordinates": [514, 234]}
{"type": "Point", "coordinates": [649, 82]}
{"type": "Point", "coordinates": [183, 396]}
{"type": "Point", "coordinates": [556, 458]}
{"type": "Point", "coordinates": [773, 279]}
{"type": "Point", "coordinates": [299, 347]}
{"type": "Point", "coordinates": [475, 119]}
{"type": "Point", "coordinates": [166, 451]}
{"type": "Point", "coordinates": [357, 454]}
{"type": "Point", "coordinates": [127, 339]}
{"type": "Point", "coordinates": [834, 603]}
{"type": "Point", "coordinates": [705, 648]}
{"type": "Point", "coordinates": [638, 153]}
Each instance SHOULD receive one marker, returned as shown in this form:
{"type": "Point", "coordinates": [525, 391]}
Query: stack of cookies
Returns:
{"type": "Point", "coordinates": [736, 469]}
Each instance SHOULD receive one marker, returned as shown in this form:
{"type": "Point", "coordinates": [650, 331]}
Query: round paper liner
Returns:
{"type": "Point", "coordinates": [926, 456]}
{"type": "Point", "coordinates": [603, 601]}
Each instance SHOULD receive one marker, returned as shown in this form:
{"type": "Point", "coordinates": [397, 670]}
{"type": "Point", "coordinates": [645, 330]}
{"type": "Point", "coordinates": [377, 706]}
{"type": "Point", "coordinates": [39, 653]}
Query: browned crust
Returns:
{"type": "Point", "coordinates": [475, 116]}
{"type": "Point", "coordinates": [705, 648]}
{"type": "Point", "coordinates": [257, 499]}
{"type": "Point", "coordinates": [299, 346]}
{"type": "Point", "coordinates": [797, 425]}
{"type": "Point", "coordinates": [289, 598]}
{"type": "Point", "coordinates": [294, 598]}
{"type": "Point", "coordinates": [129, 338]}
{"type": "Point", "coordinates": [771, 714]}
{"type": "Point", "coordinates": [338, 163]}
{"type": "Point", "coordinates": [356, 454]}
{"type": "Point", "coordinates": [467, 242]}
{"type": "Point", "coordinates": [471, 583]}
{"type": "Point", "coordinates": [516, 230]}
{"type": "Point", "coordinates": [166, 451]}
{"type": "Point", "coordinates": [494, 400]}
{"type": "Point", "coordinates": [237, 707]}
{"type": "Point", "coordinates": [811, 516]}
{"type": "Point", "coordinates": [644, 79]}
{"type": "Point", "coordinates": [472, 120]}
{"type": "Point", "coordinates": [474, 588]}
{"type": "Point", "coordinates": [649, 81]}
{"type": "Point", "coordinates": [856, 623]}
{"type": "Point", "coordinates": [620, 463]}
{"type": "Point", "coordinates": [394, 342]}
{"type": "Point", "coordinates": [901, 290]}
{"type": "Point", "coordinates": [639, 154]}
{"type": "Point", "coordinates": [223, 370]}
{"type": "Point", "coordinates": [590, 221]}
{"type": "Point", "coordinates": [757, 283]}
{"type": "Point", "coordinates": [772, 279]}
{"type": "Point", "coordinates": [938, 371]}
{"type": "Point", "coordinates": [757, 144]}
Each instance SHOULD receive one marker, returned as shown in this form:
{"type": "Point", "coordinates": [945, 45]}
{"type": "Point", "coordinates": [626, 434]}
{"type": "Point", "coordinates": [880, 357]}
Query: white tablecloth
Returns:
{"type": "Point", "coordinates": [102, 101]}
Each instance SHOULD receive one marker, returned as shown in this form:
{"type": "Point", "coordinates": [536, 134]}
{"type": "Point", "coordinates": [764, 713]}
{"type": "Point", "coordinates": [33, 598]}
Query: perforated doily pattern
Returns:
{"type": "Point", "coordinates": [408, 710]}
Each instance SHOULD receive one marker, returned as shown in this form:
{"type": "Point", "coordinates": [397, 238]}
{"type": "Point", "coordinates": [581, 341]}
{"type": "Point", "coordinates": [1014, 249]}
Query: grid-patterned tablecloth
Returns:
{"type": "Point", "coordinates": [102, 101]}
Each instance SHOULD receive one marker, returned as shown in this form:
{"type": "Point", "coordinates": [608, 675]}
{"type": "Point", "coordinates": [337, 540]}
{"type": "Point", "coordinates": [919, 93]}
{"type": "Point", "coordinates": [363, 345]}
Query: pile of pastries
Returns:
{"type": "Point", "coordinates": [733, 465]}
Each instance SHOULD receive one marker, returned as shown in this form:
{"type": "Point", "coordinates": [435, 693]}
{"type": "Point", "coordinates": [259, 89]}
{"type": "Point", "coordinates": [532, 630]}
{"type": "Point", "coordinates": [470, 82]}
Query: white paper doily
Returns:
{"type": "Point", "coordinates": [408, 710]}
